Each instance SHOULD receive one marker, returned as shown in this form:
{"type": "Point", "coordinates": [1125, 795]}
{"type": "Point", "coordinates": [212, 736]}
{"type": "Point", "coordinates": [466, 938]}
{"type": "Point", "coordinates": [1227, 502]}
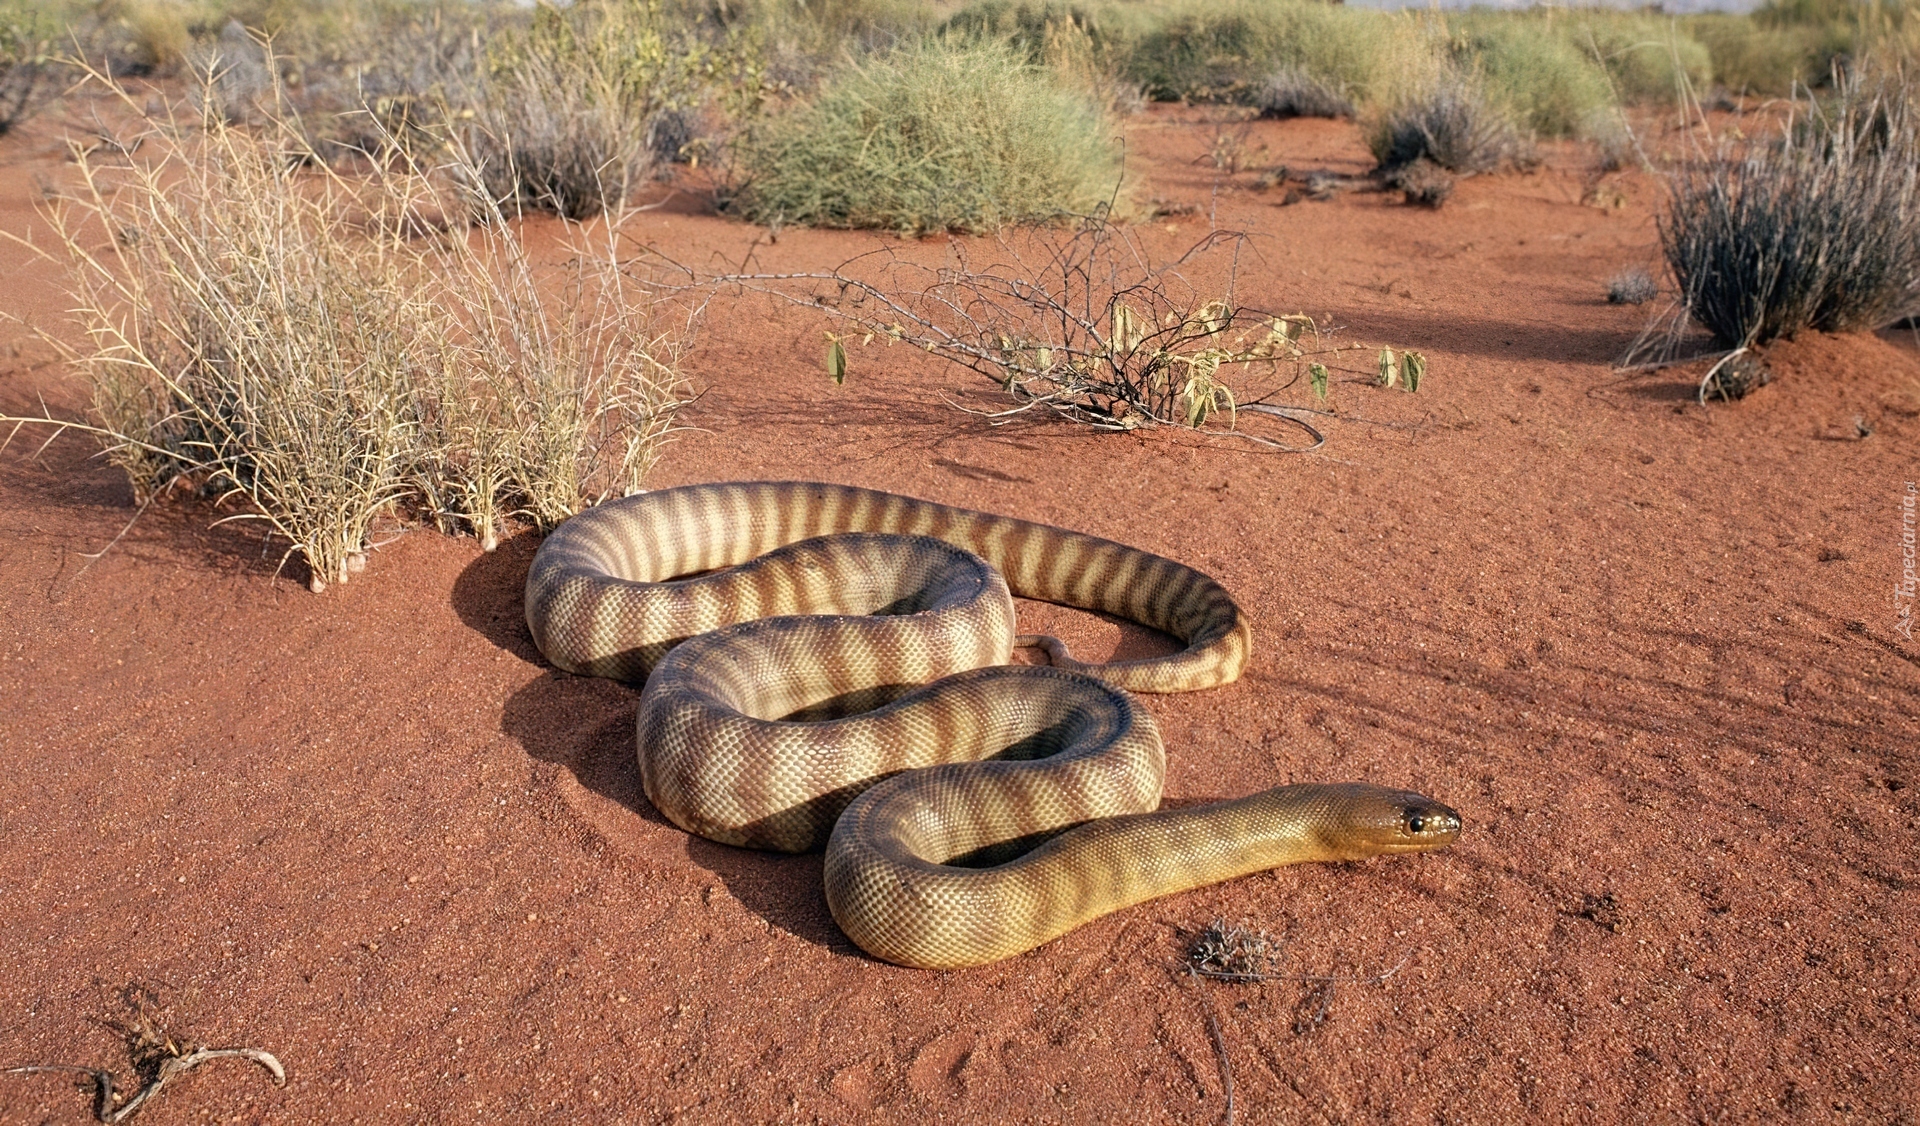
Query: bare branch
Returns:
{"type": "Point", "coordinates": [1079, 320]}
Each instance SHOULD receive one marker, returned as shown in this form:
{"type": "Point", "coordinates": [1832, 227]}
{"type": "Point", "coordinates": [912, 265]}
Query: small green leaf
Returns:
{"type": "Point", "coordinates": [1416, 369]}
{"type": "Point", "coordinates": [1389, 369]}
{"type": "Point", "coordinates": [837, 361]}
{"type": "Point", "coordinates": [1317, 376]}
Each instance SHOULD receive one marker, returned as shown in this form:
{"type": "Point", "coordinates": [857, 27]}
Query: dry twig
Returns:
{"type": "Point", "coordinates": [157, 1059]}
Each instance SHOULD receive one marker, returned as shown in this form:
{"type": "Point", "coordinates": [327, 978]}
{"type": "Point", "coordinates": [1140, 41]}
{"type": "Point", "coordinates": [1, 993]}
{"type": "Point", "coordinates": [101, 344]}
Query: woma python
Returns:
{"type": "Point", "coordinates": [835, 672]}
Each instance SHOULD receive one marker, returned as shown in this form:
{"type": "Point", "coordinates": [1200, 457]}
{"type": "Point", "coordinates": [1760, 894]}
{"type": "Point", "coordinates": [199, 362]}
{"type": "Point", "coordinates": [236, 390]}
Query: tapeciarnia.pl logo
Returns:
{"type": "Point", "coordinates": [1904, 590]}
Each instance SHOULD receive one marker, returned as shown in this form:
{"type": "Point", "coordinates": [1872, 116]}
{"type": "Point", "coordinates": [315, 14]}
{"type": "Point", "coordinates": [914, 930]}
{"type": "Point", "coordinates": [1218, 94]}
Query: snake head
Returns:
{"type": "Point", "coordinates": [1377, 821]}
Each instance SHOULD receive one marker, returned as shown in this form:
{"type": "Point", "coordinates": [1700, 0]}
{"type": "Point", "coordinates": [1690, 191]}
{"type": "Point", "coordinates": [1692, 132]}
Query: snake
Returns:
{"type": "Point", "coordinates": [831, 667]}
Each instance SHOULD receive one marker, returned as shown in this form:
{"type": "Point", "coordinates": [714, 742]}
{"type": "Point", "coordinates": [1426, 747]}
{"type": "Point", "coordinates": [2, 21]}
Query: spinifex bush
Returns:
{"type": "Point", "coordinates": [1451, 123]}
{"type": "Point", "coordinates": [564, 123]}
{"type": "Point", "coordinates": [290, 339]}
{"type": "Point", "coordinates": [1292, 92]}
{"type": "Point", "coordinates": [936, 135]}
{"type": "Point", "coordinates": [1819, 228]}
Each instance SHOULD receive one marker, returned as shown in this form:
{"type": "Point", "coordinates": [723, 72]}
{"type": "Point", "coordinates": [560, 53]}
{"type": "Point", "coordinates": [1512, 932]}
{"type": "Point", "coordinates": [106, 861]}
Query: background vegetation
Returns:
{"type": "Point", "coordinates": [316, 301]}
{"type": "Point", "coordinates": [570, 107]}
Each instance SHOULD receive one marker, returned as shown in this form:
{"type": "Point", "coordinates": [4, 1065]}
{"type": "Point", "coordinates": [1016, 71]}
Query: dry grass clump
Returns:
{"type": "Point", "coordinates": [559, 108]}
{"type": "Point", "coordinates": [1632, 287]}
{"type": "Point", "coordinates": [1292, 92]}
{"type": "Point", "coordinates": [937, 135]}
{"type": "Point", "coordinates": [1819, 228]}
{"type": "Point", "coordinates": [564, 123]}
{"type": "Point", "coordinates": [1233, 953]}
{"type": "Point", "coordinates": [1450, 123]}
{"type": "Point", "coordinates": [375, 74]}
{"type": "Point", "coordinates": [298, 342]}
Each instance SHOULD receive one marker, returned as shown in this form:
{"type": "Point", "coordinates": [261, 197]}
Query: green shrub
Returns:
{"type": "Point", "coordinates": [1208, 53]}
{"type": "Point", "coordinates": [1549, 85]}
{"type": "Point", "coordinates": [1647, 57]}
{"type": "Point", "coordinates": [135, 37]}
{"type": "Point", "coordinates": [1751, 58]}
{"type": "Point", "coordinates": [26, 62]}
{"type": "Point", "coordinates": [1024, 23]}
{"type": "Point", "coordinates": [1225, 51]}
{"type": "Point", "coordinates": [1069, 39]}
{"type": "Point", "coordinates": [938, 135]}
{"type": "Point", "coordinates": [1799, 41]}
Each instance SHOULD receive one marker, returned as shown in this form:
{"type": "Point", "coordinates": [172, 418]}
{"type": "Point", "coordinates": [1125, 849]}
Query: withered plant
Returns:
{"type": "Point", "coordinates": [1077, 320]}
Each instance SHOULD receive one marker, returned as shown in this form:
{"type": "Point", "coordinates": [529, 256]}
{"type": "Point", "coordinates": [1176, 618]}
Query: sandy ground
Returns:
{"type": "Point", "coordinates": [1649, 651]}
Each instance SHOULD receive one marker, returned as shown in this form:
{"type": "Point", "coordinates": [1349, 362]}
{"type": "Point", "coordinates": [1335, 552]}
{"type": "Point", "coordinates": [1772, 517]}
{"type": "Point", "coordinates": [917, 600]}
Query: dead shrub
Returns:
{"type": "Point", "coordinates": [1080, 322]}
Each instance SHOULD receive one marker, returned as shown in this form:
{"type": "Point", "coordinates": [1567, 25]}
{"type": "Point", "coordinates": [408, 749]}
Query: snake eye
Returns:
{"type": "Point", "coordinates": [1416, 824]}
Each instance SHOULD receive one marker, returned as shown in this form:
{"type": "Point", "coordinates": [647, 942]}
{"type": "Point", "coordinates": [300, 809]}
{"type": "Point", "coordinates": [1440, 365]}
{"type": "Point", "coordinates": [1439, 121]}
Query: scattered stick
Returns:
{"type": "Point", "coordinates": [156, 1056]}
{"type": "Point", "coordinates": [107, 1109]}
{"type": "Point", "coordinates": [1319, 439]}
{"type": "Point", "coordinates": [1219, 1045]}
{"type": "Point", "coordinates": [1313, 979]}
{"type": "Point", "coordinates": [1236, 954]}
{"type": "Point", "coordinates": [1706, 380]}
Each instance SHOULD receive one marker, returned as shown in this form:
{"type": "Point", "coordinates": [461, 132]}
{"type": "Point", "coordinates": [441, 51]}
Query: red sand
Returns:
{"type": "Point", "coordinates": [1649, 651]}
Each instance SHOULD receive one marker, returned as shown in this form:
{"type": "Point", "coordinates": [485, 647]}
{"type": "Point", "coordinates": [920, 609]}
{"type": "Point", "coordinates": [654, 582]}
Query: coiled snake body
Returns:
{"type": "Point", "coordinates": [762, 727]}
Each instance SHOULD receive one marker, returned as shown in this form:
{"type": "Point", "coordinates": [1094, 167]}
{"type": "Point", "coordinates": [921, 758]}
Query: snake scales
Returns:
{"type": "Point", "coordinates": [887, 724]}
